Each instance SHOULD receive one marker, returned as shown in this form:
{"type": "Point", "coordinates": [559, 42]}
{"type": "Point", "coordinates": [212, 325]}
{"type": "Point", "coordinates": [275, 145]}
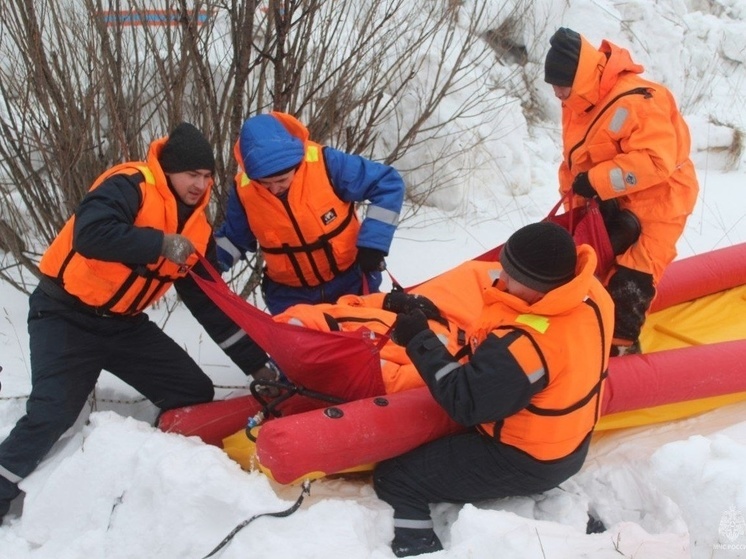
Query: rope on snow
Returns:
{"type": "Point", "coordinates": [305, 490]}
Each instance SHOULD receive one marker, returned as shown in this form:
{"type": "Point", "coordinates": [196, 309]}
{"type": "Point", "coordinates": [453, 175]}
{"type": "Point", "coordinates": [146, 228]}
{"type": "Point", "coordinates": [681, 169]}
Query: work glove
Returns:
{"type": "Point", "coordinates": [370, 259]}
{"type": "Point", "coordinates": [407, 326]}
{"type": "Point", "coordinates": [225, 260]}
{"type": "Point", "coordinates": [271, 373]}
{"type": "Point", "coordinates": [582, 186]}
{"type": "Point", "coordinates": [400, 302]}
{"type": "Point", "coordinates": [176, 248]}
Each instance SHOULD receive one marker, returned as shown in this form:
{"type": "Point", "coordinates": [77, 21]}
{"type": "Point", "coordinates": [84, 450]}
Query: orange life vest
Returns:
{"type": "Point", "coordinates": [353, 312]}
{"type": "Point", "coordinates": [114, 287]}
{"type": "Point", "coordinates": [572, 348]}
{"type": "Point", "coordinates": [457, 292]}
{"type": "Point", "coordinates": [309, 237]}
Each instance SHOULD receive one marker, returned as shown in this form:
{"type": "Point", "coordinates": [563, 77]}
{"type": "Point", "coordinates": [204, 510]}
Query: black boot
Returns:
{"type": "Point", "coordinates": [411, 541]}
{"type": "Point", "coordinates": [8, 492]}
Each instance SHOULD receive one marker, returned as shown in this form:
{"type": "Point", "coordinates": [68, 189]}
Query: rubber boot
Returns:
{"type": "Point", "coordinates": [8, 492]}
{"type": "Point", "coordinates": [409, 542]}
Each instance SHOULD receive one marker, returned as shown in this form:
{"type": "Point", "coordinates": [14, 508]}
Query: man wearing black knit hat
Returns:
{"type": "Point", "coordinates": [529, 393]}
{"type": "Point", "coordinates": [136, 232]}
{"type": "Point", "coordinates": [626, 144]}
{"type": "Point", "coordinates": [562, 59]}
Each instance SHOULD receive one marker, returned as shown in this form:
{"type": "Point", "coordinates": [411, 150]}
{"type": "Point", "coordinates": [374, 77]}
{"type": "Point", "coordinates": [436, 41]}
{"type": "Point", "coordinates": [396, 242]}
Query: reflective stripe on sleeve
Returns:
{"type": "Point", "coordinates": [382, 214]}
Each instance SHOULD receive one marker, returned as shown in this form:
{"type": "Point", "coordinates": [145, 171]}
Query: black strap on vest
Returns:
{"type": "Point", "coordinates": [323, 244]}
{"type": "Point", "coordinates": [595, 390]}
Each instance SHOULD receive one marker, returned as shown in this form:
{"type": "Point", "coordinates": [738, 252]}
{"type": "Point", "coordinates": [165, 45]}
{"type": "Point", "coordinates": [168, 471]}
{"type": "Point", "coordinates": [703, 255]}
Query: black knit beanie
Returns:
{"type": "Point", "coordinates": [562, 59]}
{"type": "Point", "coordinates": [540, 256]}
{"type": "Point", "coordinates": [186, 150]}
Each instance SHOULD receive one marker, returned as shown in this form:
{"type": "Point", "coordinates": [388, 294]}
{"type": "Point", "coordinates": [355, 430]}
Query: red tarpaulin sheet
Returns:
{"type": "Point", "coordinates": [341, 364]}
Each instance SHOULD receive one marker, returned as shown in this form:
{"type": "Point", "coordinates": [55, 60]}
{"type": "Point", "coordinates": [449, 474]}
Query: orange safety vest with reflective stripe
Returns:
{"type": "Point", "coordinates": [571, 347]}
{"type": "Point", "coordinates": [353, 312]}
{"type": "Point", "coordinates": [310, 236]}
{"type": "Point", "coordinates": [114, 287]}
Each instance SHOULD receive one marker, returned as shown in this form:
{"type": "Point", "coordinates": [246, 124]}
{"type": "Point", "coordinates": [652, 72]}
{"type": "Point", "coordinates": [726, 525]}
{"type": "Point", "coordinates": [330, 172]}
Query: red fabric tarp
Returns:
{"type": "Point", "coordinates": [341, 364]}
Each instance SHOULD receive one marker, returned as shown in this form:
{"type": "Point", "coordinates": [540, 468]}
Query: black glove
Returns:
{"type": "Point", "coordinates": [407, 326]}
{"type": "Point", "coordinates": [582, 186]}
{"type": "Point", "coordinates": [400, 302]}
{"type": "Point", "coordinates": [176, 248]}
{"type": "Point", "coordinates": [370, 259]}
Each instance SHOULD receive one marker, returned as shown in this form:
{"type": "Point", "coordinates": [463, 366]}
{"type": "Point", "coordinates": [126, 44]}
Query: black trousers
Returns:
{"type": "Point", "coordinates": [465, 468]}
{"type": "Point", "coordinates": [69, 349]}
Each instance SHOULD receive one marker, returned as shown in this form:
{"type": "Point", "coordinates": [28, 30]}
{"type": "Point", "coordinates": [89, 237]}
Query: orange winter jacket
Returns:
{"type": "Point", "coordinates": [309, 237]}
{"type": "Point", "coordinates": [628, 135]}
{"type": "Point", "coordinates": [397, 371]}
{"type": "Point", "coordinates": [566, 335]}
{"type": "Point", "coordinates": [457, 294]}
{"type": "Point", "coordinates": [114, 287]}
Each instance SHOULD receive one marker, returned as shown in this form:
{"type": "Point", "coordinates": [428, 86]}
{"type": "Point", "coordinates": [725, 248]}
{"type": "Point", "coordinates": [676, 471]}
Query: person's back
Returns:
{"type": "Point", "coordinates": [625, 142]}
{"type": "Point", "coordinates": [294, 199]}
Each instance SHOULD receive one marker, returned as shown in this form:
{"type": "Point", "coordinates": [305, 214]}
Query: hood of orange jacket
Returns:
{"type": "Point", "coordinates": [598, 72]}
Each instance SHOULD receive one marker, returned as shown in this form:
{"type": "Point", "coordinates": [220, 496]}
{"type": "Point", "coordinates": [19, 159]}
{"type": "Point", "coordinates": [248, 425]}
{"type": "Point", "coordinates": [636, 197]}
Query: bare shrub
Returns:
{"type": "Point", "coordinates": [83, 88]}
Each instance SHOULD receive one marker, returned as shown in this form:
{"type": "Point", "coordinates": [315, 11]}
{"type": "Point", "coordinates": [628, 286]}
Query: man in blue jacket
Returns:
{"type": "Point", "coordinates": [295, 201]}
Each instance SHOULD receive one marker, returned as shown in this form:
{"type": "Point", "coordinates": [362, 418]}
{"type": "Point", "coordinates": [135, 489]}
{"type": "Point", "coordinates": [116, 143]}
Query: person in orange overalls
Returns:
{"type": "Point", "coordinates": [136, 232]}
{"type": "Point", "coordinates": [530, 391]}
{"type": "Point", "coordinates": [625, 143]}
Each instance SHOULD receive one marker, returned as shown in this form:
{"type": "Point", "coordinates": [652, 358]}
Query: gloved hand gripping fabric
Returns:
{"type": "Point", "coordinates": [407, 326]}
{"type": "Point", "coordinates": [370, 259]}
{"type": "Point", "coordinates": [582, 186]}
{"type": "Point", "coordinates": [176, 248]}
{"type": "Point", "coordinates": [400, 302]}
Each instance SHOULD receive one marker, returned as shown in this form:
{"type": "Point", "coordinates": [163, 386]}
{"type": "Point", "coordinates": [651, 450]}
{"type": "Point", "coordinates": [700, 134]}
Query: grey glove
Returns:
{"type": "Point", "coordinates": [176, 248]}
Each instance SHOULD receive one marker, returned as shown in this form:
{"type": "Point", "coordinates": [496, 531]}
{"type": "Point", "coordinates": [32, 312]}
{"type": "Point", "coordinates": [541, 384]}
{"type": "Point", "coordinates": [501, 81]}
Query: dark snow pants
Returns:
{"type": "Point", "coordinates": [464, 468]}
{"type": "Point", "coordinates": [69, 348]}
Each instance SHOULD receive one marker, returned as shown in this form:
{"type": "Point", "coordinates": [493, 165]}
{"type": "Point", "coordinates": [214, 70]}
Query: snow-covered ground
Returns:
{"type": "Point", "coordinates": [115, 487]}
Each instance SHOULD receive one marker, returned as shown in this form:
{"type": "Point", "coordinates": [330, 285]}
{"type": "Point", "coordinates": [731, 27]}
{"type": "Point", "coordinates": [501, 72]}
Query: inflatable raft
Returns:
{"type": "Point", "coordinates": [695, 359]}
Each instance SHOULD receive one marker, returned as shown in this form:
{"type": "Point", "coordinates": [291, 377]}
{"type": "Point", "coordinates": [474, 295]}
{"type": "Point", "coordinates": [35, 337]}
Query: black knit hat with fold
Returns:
{"type": "Point", "coordinates": [186, 150]}
{"type": "Point", "coordinates": [562, 59]}
{"type": "Point", "coordinates": [541, 256]}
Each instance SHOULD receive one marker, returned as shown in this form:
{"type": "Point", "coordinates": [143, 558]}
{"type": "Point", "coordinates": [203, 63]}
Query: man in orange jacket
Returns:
{"type": "Point", "coordinates": [625, 143]}
{"type": "Point", "coordinates": [134, 234]}
{"type": "Point", "coordinates": [530, 391]}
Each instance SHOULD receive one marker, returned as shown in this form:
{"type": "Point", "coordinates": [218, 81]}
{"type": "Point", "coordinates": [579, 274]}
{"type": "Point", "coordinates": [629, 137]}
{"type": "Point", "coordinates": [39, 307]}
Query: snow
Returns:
{"type": "Point", "coordinates": [116, 487]}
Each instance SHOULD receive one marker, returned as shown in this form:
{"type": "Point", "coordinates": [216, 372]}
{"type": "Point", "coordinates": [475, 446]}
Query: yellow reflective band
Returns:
{"type": "Point", "coordinates": [538, 323]}
{"type": "Point", "coordinates": [312, 154]}
{"type": "Point", "coordinates": [147, 173]}
{"type": "Point", "coordinates": [245, 180]}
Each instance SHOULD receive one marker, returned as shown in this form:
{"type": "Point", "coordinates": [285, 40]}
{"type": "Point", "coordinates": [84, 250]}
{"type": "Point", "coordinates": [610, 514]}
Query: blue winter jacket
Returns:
{"type": "Point", "coordinates": [353, 178]}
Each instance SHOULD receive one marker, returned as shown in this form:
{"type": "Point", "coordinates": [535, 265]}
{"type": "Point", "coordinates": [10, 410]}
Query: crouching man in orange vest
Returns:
{"type": "Point", "coordinates": [136, 232]}
{"type": "Point", "coordinates": [531, 389]}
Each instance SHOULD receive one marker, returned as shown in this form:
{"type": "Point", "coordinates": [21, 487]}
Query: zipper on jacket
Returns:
{"type": "Point", "coordinates": [645, 91]}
